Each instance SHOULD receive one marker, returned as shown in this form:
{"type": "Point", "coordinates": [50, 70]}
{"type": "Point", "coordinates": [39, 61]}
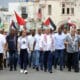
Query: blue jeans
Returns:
{"type": "Point", "coordinates": [50, 59]}
{"type": "Point", "coordinates": [37, 57]}
{"type": "Point", "coordinates": [58, 58]}
{"type": "Point", "coordinates": [13, 58]}
{"type": "Point", "coordinates": [30, 59]}
{"type": "Point", "coordinates": [33, 59]}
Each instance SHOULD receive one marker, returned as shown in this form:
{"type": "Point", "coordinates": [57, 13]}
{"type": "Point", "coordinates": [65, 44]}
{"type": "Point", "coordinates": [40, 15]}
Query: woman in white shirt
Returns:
{"type": "Point", "coordinates": [23, 46]}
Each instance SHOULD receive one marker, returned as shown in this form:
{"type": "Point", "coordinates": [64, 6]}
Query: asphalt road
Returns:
{"type": "Point", "coordinates": [34, 75]}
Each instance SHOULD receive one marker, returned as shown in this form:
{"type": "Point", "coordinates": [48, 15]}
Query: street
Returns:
{"type": "Point", "coordinates": [34, 75]}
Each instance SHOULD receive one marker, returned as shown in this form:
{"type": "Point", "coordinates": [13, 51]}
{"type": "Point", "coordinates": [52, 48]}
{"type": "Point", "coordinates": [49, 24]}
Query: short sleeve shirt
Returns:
{"type": "Point", "coordinates": [2, 42]}
{"type": "Point", "coordinates": [72, 44]}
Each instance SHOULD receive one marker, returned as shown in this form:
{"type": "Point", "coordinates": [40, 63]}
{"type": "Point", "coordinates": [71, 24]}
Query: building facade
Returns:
{"type": "Point", "coordinates": [60, 11]}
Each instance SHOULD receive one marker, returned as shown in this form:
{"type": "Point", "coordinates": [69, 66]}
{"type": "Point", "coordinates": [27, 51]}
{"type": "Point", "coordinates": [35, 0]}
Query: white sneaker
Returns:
{"type": "Point", "coordinates": [25, 71]}
{"type": "Point", "coordinates": [21, 71]}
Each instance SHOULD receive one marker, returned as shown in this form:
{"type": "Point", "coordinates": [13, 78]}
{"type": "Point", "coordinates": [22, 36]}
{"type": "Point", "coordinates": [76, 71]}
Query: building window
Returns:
{"type": "Point", "coordinates": [23, 9]}
{"type": "Point", "coordinates": [49, 9]}
{"type": "Point", "coordinates": [63, 5]}
{"type": "Point", "coordinates": [23, 12]}
{"type": "Point", "coordinates": [63, 10]}
{"type": "Point", "coordinates": [72, 10]}
{"type": "Point", "coordinates": [68, 11]}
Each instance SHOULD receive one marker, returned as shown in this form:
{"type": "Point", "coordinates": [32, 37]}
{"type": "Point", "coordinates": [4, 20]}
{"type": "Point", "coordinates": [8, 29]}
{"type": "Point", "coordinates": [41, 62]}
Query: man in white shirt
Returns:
{"type": "Point", "coordinates": [46, 45]}
{"type": "Point", "coordinates": [2, 44]}
{"type": "Point", "coordinates": [31, 41]}
{"type": "Point", "coordinates": [59, 48]}
{"type": "Point", "coordinates": [37, 49]}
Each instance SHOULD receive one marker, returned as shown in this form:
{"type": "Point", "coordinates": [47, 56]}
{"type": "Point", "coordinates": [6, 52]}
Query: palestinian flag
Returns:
{"type": "Point", "coordinates": [70, 23]}
{"type": "Point", "coordinates": [20, 20]}
{"type": "Point", "coordinates": [12, 25]}
{"type": "Point", "coordinates": [50, 23]}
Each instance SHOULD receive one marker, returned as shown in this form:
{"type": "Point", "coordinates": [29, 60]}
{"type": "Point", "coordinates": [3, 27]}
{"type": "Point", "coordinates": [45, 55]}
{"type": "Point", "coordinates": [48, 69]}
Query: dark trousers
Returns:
{"type": "Point", "coordinates": [23, 59]}
{"type": "Point", "coordinates": [13, 58]}
{"type": "Point", "coordinates": [1, 61]}
{"type": "Point", "coordinates": [65, 58]}
{"type": "Point", "coordinates": [41, 59]}
{"type": "Point", "coordinates": [50, 59]}
{"type": "Point", "coordinates": [58, 58]}
{"type": "Point", "coordinates": [45, 59]}
{"type": "Point", "coordinates": [4, 63]}
{"type": "Point", "coordinates": [73, 61]}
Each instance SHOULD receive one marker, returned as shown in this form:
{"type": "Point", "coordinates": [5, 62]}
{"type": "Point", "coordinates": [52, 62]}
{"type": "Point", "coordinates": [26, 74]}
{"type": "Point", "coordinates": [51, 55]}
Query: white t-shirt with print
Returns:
{"type": "Point", "coordinates": [23, 42]}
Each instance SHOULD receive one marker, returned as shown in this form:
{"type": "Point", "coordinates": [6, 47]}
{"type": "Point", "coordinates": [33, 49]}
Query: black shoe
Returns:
{"type": "Point", "coordinates": [1, 68]}
{"type": "Point", "coordinates": [42, 69]}
{"type": "Point", "coordinates": [45, 70]}
{"type": "Point", "coordinates": [51, 72]}
{"type": "Point", "coordinates": [30, 66]}
{"type": "Point", "coordinates": [69, 70]}
{"type": "Point", "coordinates": [15, 69]}
{"type": "Point", "coordinates": [55, 67]}
{"type": "Point", "coordinates": [61, 69]}
{"type": "Point", "coordinates": [11, 70]}
{"type": "Point", "coordinates": [76, 71]}
{"type": "Point", "coordinates": [37, 69]}
{"type": "Point", "coordinates": [33, 67]}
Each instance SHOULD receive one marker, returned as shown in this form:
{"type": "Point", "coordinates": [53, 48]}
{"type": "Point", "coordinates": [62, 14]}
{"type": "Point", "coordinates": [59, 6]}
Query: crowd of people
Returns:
{"type": "Point", "coordinates": [41, 50]}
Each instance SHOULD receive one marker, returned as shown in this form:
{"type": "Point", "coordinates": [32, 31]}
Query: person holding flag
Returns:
{"type": "Point", "coordinates": [12, 48]}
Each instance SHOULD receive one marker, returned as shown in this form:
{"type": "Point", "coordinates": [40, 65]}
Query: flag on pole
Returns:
{"type": "Point", "coordinates": [70, 22]}
{"type": "Point", "coordinates": [12, 25]}
{"type": "Point", "coordinates": [47, 22]}
{"type": "Point", "coordinates": [20, 20]}
{"type": "Point", "coordinates": [50, 23]}
{"type": "Point", "coordinates": [39, 14]}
